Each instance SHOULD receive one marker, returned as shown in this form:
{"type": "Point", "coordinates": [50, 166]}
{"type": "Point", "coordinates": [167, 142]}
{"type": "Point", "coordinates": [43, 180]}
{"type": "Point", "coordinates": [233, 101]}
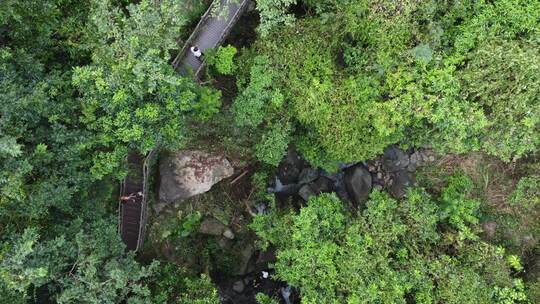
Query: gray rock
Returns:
{"type": "Point", "coordinates": [395, 159]}
{"type": "Point", "coordinates": [224, 243]}
{"type": "Point", "coordinates": [244, 267]}
{"type": "Point", "coordinates": [322, 184]}
{"type": "Point", "coordinates": [308, 175]}
{"type": "Point", "coordinates": [290, 167]}
{"type": "Point", "coordinates": [377, 178]}
{"type": "Point", "coordinates": [425, 156]}
{"type": "Point", "coordinates": [412, 167]}
{"type": "Point", "coordinates": [188, 173]}
{"type": "Point", "coordinates": [228, 234]}
{"type": "Point", "coordinates": [211, 226]}
{"type": "Point", "coordinates": [238, 286]}
{"type": "Point", "coordinates": [401, 181]}
{"type": "Point", "coordinates": [342, 193]}
{"type": "Point", "coordinates": [345, 166]}
{"type": "Point", "coordinates": [414, 158]}
{"type": "Point", "coordinates": [335, 177]}
{"type": "Point", "coordinates": [306, 192]}
{"type": "Point", "coordinates": [358, 183]}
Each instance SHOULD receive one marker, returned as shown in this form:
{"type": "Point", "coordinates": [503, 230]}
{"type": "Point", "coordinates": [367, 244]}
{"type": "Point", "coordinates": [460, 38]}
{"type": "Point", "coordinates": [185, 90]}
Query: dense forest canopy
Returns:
{"type": "Point", "coordinates": [360, 75]}
{"type": "Point", "coordinates": [84, 83]}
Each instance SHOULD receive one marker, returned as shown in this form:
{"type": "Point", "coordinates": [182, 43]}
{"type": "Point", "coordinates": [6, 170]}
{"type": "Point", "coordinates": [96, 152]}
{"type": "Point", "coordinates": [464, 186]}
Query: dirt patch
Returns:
{"type": "Point", "coordinates": [494, 180]}
{"type": "Point", "coordinates": [510, 224]}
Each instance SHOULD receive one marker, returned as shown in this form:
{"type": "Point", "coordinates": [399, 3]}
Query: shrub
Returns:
{"type": "Point", "coordinates": [273, 13]}
{"type": "Point", "coordinates": [174, 284]}
{"type": "Point", "coordinates": [502, 77]}
{"type": "Point", "coordinates": [273, 144]}
{"type": "Point", "coordinates": [523, 204]}
{"type": "Point", "coordinates": [222, 59]}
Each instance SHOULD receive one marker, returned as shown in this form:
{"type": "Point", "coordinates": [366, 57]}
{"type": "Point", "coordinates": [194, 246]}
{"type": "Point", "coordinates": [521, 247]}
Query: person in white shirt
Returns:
{"type": "Point", "coordinates": [196, 51]}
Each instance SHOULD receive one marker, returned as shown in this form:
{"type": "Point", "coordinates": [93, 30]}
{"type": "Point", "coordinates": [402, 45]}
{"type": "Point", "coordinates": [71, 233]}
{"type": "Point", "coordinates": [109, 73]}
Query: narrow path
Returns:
{"type": "Point", "coordinates": [212, 29]}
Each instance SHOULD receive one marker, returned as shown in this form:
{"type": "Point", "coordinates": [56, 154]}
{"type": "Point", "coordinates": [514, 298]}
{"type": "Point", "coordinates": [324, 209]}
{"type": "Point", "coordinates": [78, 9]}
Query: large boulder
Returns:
{"type": "Point", "coordinates": [307, 176]}
{"type": "Point", "coordinates": [358, 183]}
{"type": "Point", "coordinates": [306, 192]}
{"type": "Point", "coordinates": [188, 173]}
{"type": "Point", "coordinates": [322, 184]}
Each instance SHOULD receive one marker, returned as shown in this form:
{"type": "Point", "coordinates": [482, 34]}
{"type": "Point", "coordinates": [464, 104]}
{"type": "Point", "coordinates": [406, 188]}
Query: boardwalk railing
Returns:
{"type": "Point", "coordinates": [214, 26]}
{"type": "Point", "coordinates": [178, 59]}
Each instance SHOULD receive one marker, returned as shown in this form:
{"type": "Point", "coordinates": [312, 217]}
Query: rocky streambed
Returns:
{"type": "Point", "coordinates": [353, 182]}
{"type": "Point", "coordinates": [200, 220]}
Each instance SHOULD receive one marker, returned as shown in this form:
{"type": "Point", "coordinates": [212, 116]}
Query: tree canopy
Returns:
{"type": "Point", "coordinates": [81, 84]}
{"type": "Point", "coordinates": [421, 249]}
{"type": "Point", "coordinates": [85, 83]}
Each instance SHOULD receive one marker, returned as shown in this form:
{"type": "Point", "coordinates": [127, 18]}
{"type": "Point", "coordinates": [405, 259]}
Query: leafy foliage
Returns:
{"type": "Point", "coordinates": [459, 211]}
{"type": "Point", "coordinates": [274, 13]}
{"type": "Point", "coordinates": [190, 224]}
{"type": "Point", "coordinates": [390, 252]}
{"type": "Point", "coordinates": [502, 77]}
{"type": "Point", "coordinates": [88, 268]}
{"type": "Point", "coordinates": [80, 83]}
{"type": "Point", "coordinates": [518, 228]}
{"type": "Point", "coordinates": [130, 93]}
{"type": "Point", "coordinates": [222, 59]}
{"type": "Point", "coordinates": [361, 75]}
{"type": "Point", "coordinates": [274, 144]}
{"type": "Point", "coordinates": [264, 299]}
{"type": "Point", "coordinates": [258, 97]}
{"type": "Point", "coordinates": [174, 284]}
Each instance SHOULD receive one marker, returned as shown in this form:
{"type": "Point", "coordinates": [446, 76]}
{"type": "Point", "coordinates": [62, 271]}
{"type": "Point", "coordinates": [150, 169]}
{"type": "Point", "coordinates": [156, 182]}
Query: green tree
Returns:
{"type": "Point", "coordinates": [88, 267]}
{"type": "Point", "coordinates": [58, 240]}
{"type": "Point", "coordinates": [274, 13]}
{"type": "Point", "coordinates": [222, 59]}
{"type": "Point", "coordinates": [503, 78]}
{"type": "Point", "coordinates": [130, 93]}
{"type": "Point", "coordinates": [357, 76]}
{"type": "Point", "coordinates": [392, 252]}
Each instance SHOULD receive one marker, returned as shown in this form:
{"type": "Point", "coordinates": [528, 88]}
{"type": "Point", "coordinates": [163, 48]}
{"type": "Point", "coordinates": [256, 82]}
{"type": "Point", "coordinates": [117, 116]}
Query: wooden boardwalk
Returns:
{"type": "Point", "coordinates": [132, 205]}
{"type": "Point", "coordinates": [210, 32]}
